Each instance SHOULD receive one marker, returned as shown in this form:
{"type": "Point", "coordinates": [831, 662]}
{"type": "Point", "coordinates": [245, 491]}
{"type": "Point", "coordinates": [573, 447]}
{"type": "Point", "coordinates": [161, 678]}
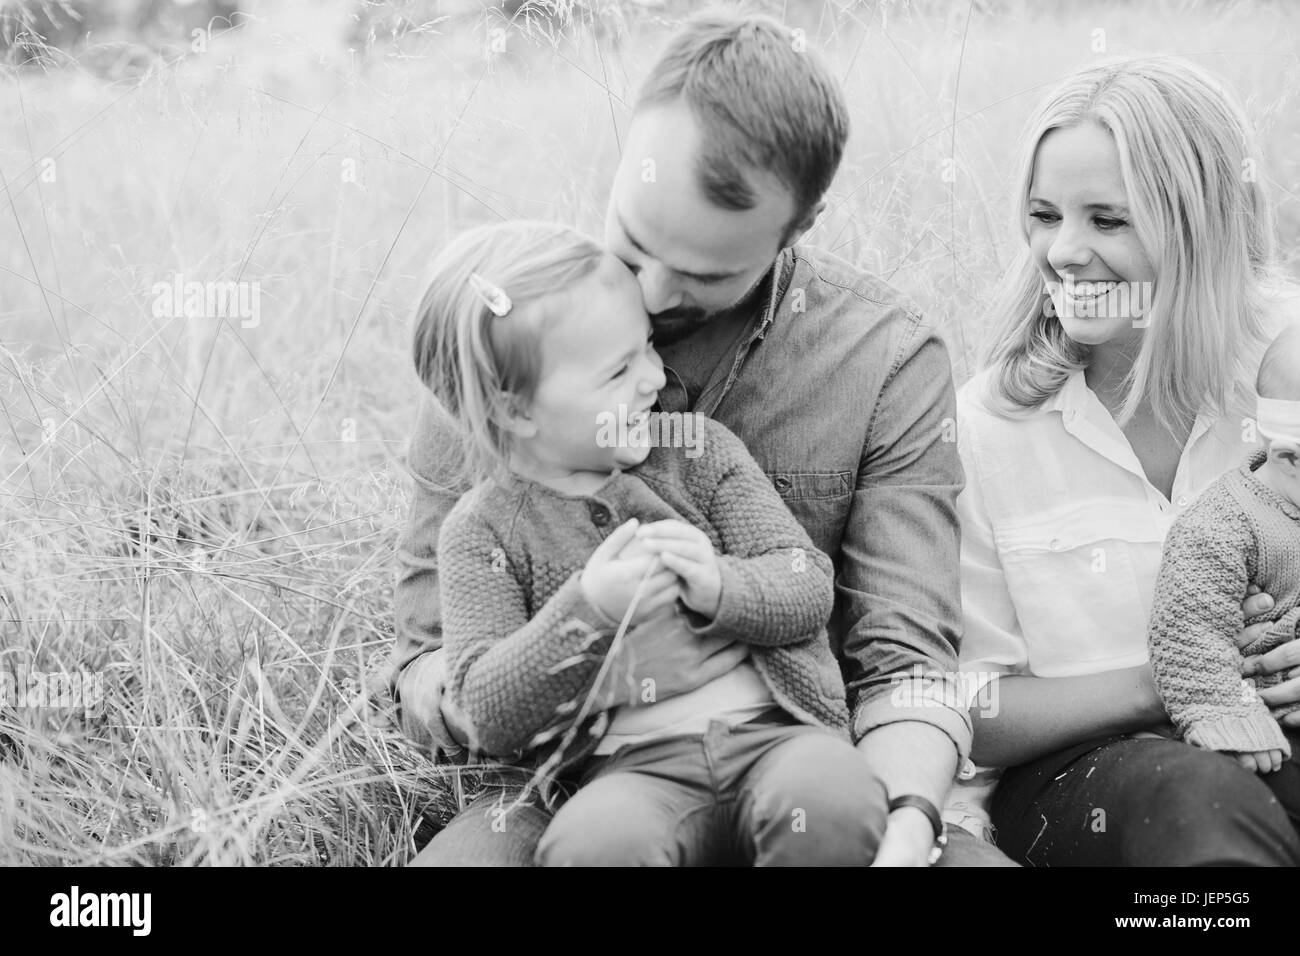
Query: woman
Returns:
{"type": "Point", "coordinates": [1119, 385]}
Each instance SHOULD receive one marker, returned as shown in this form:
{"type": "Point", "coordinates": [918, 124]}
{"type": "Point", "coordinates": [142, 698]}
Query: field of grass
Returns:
{"type": "Point", "coordinates": [202, 512]}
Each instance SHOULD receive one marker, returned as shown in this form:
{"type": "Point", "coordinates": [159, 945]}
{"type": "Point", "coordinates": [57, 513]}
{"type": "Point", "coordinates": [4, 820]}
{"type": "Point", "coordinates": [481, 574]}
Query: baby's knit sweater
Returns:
{"type": "Point", "coordinates": [1238, 532]}
{"type": "Point", "coordinates": [524, 645]}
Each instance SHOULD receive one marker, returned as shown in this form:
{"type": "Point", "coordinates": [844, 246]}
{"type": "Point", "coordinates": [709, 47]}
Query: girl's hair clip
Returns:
{"type": "Point", "coordinates": [494, 297]}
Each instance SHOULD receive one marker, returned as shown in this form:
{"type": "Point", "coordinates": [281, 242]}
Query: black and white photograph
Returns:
{"type": "Point", "coordinates": [795, 433]}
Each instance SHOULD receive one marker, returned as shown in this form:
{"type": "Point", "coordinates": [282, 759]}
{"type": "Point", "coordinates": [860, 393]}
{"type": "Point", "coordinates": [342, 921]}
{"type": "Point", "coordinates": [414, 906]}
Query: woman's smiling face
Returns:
{"type": "Point", "coordinates": [1082, 238]}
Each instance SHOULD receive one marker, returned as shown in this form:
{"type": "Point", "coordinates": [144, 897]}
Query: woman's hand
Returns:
{"type": "Point", "coordinates": [1283, 659]}
{"type": "Point", "coordinates": [687, 551]}
{"type": "Point", "coordinates": [614, 571]}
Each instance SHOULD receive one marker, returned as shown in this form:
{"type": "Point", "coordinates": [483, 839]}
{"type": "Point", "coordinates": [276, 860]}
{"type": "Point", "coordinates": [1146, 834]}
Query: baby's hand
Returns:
{"type": "Point", "coordinates": [686, 550]}
{"type": "Point", "coordinates": [1262, 761]}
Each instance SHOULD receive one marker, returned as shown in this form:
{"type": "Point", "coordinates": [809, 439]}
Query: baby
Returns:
{"type": "Point", "coordinates": [1244, 529]}
{"type": "Point", "coordinates": [536, 342]}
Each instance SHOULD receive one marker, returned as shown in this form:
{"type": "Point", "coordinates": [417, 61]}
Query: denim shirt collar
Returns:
{"type": "Point", "coordinates": [784, 273]}
{"type": "Point", "coordinates": [780, 276]}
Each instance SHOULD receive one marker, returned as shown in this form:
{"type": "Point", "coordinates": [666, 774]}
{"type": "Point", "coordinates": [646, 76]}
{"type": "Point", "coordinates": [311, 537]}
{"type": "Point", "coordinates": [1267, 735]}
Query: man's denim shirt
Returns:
{"type": "Point", "coordinates": [844, 396]}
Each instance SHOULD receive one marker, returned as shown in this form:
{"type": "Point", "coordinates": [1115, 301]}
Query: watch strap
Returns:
{"type": "Point", "coordinates": [925, 806]}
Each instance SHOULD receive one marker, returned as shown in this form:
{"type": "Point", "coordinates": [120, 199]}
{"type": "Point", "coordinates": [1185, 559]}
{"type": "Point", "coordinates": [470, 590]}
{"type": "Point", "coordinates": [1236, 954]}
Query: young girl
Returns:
{"type": "Point", "coordinates": [536, 342]}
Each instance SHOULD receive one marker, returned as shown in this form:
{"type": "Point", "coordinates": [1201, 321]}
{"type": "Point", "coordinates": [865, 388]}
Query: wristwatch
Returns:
{"type": "Point", "coordinates": [932, 814]}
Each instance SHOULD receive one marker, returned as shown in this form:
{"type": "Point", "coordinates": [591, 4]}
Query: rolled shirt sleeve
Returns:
{"type": "Point", "coordinates": [899, 578]}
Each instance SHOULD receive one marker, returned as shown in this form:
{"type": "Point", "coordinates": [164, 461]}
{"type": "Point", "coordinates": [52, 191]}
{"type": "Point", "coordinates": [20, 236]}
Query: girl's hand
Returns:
{"type": "Point", "coordinates": [1263, 761]}
{"type": "Point", "coordinates": [614, 571]}
{"type": "Point", "coordinates": [687, 551]}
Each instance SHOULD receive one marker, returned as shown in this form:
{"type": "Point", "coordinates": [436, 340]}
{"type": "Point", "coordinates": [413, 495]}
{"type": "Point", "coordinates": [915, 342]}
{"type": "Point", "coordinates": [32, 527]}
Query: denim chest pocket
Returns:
{"type": "Point", "coordinates": [1081, 578]}
{"type": "Point", "coordinates": [820, 502]}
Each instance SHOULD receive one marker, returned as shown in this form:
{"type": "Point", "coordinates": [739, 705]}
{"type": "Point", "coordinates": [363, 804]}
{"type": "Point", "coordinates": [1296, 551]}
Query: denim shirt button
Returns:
{"type": "Point", "coordinates": [782, 484]}
{"type": "Point", "coordinates": [599, 514]}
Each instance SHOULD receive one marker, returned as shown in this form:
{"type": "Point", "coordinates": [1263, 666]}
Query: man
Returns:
{"type": "Point", "coordinates": [841, 392]}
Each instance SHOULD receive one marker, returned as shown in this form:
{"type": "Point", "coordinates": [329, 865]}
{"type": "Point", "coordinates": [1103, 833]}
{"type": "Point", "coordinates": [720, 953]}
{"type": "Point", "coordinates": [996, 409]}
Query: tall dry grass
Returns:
{"type": "Point", "coordinates": [205, 514]}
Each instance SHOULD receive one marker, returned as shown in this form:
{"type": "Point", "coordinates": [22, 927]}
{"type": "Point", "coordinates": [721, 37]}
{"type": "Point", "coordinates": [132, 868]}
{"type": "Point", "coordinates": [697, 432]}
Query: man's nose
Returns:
{"type": "Point", "coordinates": [1070, 250]}
{"type": "Point", "coordinates": [659, 288]}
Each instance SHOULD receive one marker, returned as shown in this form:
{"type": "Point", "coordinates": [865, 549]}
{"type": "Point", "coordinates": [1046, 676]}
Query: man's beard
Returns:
{"type": "Point", "coordinates": [673, 325]}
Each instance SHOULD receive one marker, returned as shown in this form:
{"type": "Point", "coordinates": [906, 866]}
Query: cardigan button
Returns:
{"type": "Point", "coordinates": [599, 514]}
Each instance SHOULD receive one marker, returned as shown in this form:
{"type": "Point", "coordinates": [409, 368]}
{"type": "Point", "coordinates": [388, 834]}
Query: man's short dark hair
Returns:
{"type": "Point", "coordinates": [762, 101]}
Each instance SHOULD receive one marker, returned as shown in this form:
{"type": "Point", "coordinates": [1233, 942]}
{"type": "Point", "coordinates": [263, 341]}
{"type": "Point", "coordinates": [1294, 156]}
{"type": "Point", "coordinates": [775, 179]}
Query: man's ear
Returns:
{"type": "Point", "coordinates": [513, 417]}
{"type": "Point", "coordinates": [806, 221]}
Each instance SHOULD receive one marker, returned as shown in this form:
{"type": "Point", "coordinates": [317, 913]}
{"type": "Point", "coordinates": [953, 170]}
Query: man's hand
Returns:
{"type": "Point", "coordinates": [910, 757]}
{"type": "Point", "coordinates": [1263, 761]}
{"type": "Point", "coordinates": [612, 576]}
{"type": "Point", "coordinates": [686, 550]}
{"type": "Point", "coordinates": [428, 715]}
{"type": "Point", "coordinates": [907, 841]}
{"type": "Point", "coordinates": [1283, 659]}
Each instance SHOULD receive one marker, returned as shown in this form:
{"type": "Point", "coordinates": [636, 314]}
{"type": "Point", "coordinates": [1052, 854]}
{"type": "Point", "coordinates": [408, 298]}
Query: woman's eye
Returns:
{"type": "Point", "coordinates": [1043, 215]}
{"type": "Point", "coordinates": [1105, 222]}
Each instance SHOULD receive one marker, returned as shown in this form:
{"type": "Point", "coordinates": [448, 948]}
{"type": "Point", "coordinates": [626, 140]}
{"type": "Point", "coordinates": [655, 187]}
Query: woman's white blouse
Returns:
{"type": "Point", "coordinates": [1061, 536]}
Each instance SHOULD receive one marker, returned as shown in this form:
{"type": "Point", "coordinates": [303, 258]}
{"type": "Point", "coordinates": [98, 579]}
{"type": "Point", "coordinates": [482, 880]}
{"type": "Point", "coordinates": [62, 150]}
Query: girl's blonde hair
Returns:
{"type": "Point", "coordinates": [1187, 158]}
{"type": "Point", "coordinates": [481, 366]}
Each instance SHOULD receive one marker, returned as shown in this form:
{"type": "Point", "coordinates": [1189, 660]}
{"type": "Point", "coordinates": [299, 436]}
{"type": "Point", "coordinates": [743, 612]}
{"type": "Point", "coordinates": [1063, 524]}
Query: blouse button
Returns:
{"type": "Point", "coordinates": [1182, 501]}
{"type": "Point", "coordinates": [599, 514]}
{"type": "Point", "coordinates": [1056, 544]}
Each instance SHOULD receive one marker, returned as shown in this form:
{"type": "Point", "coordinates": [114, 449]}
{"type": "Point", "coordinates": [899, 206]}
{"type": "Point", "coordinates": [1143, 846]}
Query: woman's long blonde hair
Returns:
{"type": "Point", "coordinates": [1188, 162]}
{"type": "Point", "coordinates": [479, 365]}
